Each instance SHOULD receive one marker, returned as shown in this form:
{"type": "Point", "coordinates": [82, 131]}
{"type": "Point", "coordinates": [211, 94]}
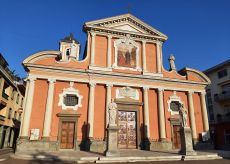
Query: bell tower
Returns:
{"type": "Point", "coordinates": [70, 48]}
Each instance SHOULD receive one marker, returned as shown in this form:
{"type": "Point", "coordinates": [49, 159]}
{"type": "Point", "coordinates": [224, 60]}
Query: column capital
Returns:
{"type": "Point", "coordinates": [50, 80]}
{"type": "Point", "coordinates": [160, 89]}
{"type": "Point", "coordinates": [109, 36]}
{"type": "Point", "coordinates": [109, 85]}
{"type": "Point", "coordinates": [203, 93]}
{"type": "Point", "coordinates": [190, 92]}
{"type": "Point", "coordinates": [159, 43]}
{"type": "Point", "coordinates": [146, 88]}
{"type": "Point", "coordinates": [31, 78]}
{"type": "Point", "coordinates": [92, 84]}
{"type": "Point", "coordinates": [93, 34]}
{"type": "Point", "coordinates": [143, 41]}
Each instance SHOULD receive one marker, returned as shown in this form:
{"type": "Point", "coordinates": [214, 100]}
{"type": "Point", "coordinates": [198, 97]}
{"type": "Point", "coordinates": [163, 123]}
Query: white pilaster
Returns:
{"type": "Point", "coordinates": [144, 55]}
{"type": "Point", "coordinates": [159, 56]}
{"type": "Point", "coordinates": [204, 111]}
{"type": "Point", "coordinates": [92, 48]}
{"type": "Point", "coordinates": [91, 108]}
{"type": "Point", "coordinates": [49, 107]}
{"type": "Point", "coordinates": [192, 115]}
{"type": "Point", "coordinates": [28, 108]}
{"type": "Point", "coordinates": [108, 100]}
{"type": "Point", "coordinates": [109, 51]}
{"type": "Point", "coordinates": [146, 112]}
{"type": "Point", "coordinates": [161, 114]}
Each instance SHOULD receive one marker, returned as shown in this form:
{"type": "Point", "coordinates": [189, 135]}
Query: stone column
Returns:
{"type": "Point", "coordinates": [28, 108]}
{"type": "Point", "coordinates": [159, 60]}
{"type": "Point", "coordinates": [144, 55]}
{"type": "Point", "coordinates": [204, 111]}
{"type": "Point", "coordinates": [146, 112]}
{"type": "Point", "coordinates": [48, 112]}
{"type": "Point", "coordinates": [24, 104]}
{"type": "Point", "coordinates": [92, 48]}
{"type": "Point", "coordinates": [192, 115]}
{"type": "Point", "coordinates": [91, 109]}
{"type": "Point", "coordinates": [108, 100]}
{"type": "Point", "coordinates": [161, 114]}
{"type": "Point", "coordinates": [109, 51]}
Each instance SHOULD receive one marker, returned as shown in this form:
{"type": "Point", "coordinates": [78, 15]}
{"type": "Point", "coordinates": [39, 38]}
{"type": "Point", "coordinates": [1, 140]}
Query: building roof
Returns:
{"type": "Point", "coordinates": [69, 39]}
{"type": "Point", "coordinates": [114, 23]}
{"type": "Point", "coordinates": [218, 66]}
{"type": "Point", "coordinates": [3, 61]}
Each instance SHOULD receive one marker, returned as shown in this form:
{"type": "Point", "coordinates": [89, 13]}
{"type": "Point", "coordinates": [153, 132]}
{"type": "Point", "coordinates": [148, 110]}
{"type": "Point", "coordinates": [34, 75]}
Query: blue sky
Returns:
{"type": "Point", "coordinates": [198, 30]}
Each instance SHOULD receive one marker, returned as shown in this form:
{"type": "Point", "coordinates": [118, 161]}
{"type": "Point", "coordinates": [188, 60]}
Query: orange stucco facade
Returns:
{"type": "Point", "coordinates": [122, 67]}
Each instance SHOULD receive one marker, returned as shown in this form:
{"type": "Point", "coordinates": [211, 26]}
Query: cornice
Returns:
{"type": "Point", "coordinates": [100, 73]}
{"type": "Point", "coordinates": [119, 33]}
{"type": "Point", "coordinates": [124, 19]}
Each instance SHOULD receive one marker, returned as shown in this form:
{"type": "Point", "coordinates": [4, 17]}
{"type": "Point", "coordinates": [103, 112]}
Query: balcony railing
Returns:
{"type": "Point", "coordinates": [225, 96]}
{"type": "Point", "coordinates": [5, 96]}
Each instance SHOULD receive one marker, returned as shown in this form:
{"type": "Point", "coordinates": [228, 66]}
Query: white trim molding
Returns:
{"type": "Point", "coordinates": [129, 43]}
{"type": "Point", "coordinates": [174, 97]}
{"type": "Point", "coordinates": [71, 91]}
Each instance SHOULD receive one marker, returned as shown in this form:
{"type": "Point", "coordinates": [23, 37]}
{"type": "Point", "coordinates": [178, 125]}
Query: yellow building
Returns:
{"type": "Point", "coordinates": [12, 93]}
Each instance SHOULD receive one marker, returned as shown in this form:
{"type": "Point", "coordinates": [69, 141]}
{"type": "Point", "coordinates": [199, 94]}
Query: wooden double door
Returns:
{"type": "Point", "coordinates": [176, 137]}
{"type": "Point", "coordinates": [127, 133]}
{"type": "Point", "coordinates": [67, 135]}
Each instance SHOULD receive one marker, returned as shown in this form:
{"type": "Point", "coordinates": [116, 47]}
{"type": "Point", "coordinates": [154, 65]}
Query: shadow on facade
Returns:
{"type": "Point", "coordinates": [145, 142]}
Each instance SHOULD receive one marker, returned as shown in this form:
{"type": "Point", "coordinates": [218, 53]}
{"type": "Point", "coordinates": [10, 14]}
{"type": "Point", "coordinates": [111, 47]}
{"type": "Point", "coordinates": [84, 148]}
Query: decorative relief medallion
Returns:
{"type": "Point", "coordinates": [70, 98]}
{"type": "Point", "coordinates": [127, 92]}
{"type": "Point", "coordinates": [174, 104]}
{"type": "Point", "coordinates": [34, 134]}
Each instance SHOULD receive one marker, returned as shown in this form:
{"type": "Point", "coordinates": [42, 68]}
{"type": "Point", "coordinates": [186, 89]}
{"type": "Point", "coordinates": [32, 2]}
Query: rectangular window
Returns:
{"type": "Point", "coordinates": [20, 117]}
{"type": "Point", "coordinates": [210, 106]}
{"type": "Point", "coordinates": [10, 113]}
{"type": "Point", "coordinates": [15, 115]}
{"type": "Point", "coordinates": [70, 100]}
{"type": "Point", "coordinates": [22, 102]}
{"type": "Point", "coordinates": [222, 73]}
{"type": "Point", "coordinates": [12, 95]}
{"type": "Point", "coordinates": [17, 100]}
{"type": "Point", "coordinates": [227, 136]}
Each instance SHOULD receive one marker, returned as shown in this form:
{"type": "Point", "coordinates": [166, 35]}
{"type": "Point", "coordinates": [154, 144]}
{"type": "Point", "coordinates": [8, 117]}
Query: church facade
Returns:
{"type": "Point", "coordinates": [67, 99]}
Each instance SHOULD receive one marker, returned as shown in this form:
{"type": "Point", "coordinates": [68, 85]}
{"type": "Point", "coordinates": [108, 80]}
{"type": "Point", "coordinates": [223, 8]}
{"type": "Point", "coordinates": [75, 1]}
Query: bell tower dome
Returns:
{"type": "Point", "coordinates": [70, 48]}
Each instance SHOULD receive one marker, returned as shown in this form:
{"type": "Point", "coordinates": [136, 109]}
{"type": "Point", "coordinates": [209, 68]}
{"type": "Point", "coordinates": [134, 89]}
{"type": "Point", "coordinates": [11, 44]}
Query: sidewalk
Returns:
{"type": "Point", "coordinates": [6, 151]}
{"type": "Point", "coordinates": [125, 156]}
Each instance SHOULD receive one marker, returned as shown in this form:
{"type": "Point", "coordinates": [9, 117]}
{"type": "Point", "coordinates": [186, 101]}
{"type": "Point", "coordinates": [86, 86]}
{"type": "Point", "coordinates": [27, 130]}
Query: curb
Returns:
{"type": "Point", "coordinates": [118, 159]}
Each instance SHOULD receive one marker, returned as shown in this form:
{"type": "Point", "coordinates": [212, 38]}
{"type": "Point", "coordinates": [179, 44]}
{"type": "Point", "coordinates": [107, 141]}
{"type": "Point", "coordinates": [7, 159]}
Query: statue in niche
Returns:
{"type": "Point", "coordinates": [172, 62]}
{"type": "Point", "coordinates": [112, 113]}
{"type": "Point", "coordinates": [184, 115]}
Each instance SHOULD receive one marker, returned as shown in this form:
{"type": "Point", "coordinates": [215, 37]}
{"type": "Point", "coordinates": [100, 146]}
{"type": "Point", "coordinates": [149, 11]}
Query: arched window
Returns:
{"type": "Point", "coordinates": [67, 52]}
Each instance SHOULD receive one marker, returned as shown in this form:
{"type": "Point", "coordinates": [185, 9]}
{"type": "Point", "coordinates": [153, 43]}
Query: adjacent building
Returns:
{"type": "Point", "coordinates": [12, 91]}
{"type": "Point", "coordinates": [218, 101]}
{"type": "Point", "coordinates": [67, 99]}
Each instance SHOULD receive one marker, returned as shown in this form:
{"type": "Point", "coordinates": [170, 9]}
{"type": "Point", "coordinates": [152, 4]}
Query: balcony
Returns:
{"type": "Point", "coordinates": [222, 97]}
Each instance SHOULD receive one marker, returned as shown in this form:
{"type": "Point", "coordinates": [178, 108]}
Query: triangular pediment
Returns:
{"type": "Point", "coordinates": [127, 27]}
{"type": "Point", "coordinates": [126, 23]}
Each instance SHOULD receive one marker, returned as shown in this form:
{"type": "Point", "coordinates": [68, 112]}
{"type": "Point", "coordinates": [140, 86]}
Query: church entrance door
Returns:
{"type": "Point", "coordinates": [67, 135]}
{"type": "Point", "coordinates": [127, 133]}
{"type": "Point", "coordinates": [176, 137]}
